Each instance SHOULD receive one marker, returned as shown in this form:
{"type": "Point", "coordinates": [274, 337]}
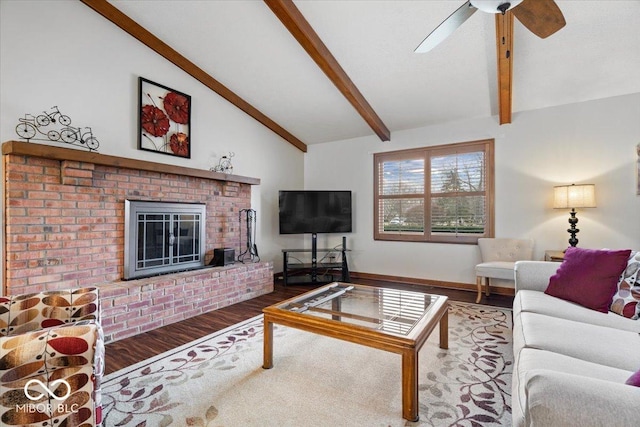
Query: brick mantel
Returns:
{"type": "Point", "coordinates": [69, 154]}
{"type": "Point", "coordinates": [64, 228]}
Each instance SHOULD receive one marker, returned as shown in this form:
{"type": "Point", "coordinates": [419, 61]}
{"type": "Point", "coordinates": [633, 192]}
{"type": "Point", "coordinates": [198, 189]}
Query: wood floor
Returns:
{"type": "Point", "coordinates": [128, 351]}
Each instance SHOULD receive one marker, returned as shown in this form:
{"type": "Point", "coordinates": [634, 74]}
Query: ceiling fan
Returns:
{"type": "Point", "coordinates": [541, 17]}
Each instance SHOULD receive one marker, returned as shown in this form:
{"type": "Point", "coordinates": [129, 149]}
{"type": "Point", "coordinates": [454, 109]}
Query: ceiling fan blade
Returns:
{"type": "Point", "coordinates": [541, 17]}
{"type": "Point", "coordinates": [446, 28]}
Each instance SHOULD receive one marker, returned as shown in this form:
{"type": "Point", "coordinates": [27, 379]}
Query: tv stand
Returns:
{"type": "Point", "coordinates": [315, 272]}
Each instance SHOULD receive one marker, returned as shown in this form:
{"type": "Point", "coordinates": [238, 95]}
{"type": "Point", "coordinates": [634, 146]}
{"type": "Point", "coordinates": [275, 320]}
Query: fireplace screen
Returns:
{"type": "Point", "coordinates": [163, 237]}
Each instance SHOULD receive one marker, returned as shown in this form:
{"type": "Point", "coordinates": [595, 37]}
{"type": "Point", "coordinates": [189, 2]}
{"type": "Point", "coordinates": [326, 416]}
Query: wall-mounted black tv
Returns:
{"type": "Point", "coordinates": [315, 212]}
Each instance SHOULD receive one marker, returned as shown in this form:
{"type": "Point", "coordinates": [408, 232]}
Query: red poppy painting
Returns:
{"type": "Point", "coordinates": [164, 120]}
{"type": "Point", "coordinates": [154, 121]}
{"type": "Point", "coordinates": [177, 107]}
{"type": "Point", "coordinates": [179, 144]}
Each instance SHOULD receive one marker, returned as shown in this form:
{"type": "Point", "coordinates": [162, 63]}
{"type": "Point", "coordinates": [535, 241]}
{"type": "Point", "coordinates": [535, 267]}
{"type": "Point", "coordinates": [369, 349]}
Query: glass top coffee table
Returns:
{"type": "Point", "coordinates": [387, 319]}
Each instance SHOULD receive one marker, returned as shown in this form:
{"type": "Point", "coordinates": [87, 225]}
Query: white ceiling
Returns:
{"type": "Point", "coordinates": [244, 46]}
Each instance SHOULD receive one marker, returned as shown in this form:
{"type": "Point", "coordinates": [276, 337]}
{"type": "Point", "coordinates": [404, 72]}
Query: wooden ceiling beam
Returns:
{"type": "Point", "coordinates": [110, 12]}
{"type": "Point", "coordinates": [299, 27]}
{"type": "Point", "coordinates": [504, 48]}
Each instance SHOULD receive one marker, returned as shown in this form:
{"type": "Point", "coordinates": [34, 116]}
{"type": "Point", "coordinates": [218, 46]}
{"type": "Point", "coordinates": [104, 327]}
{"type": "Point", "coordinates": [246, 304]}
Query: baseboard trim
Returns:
{"type": "Point", "coordinates": [498, 290]}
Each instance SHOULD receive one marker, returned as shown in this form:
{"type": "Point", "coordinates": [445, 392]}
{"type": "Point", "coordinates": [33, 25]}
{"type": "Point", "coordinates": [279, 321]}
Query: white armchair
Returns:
{"type": "Point", "coordinates": [499, 256]}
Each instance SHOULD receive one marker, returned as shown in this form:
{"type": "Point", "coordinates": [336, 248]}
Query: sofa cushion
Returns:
{"type": "Point", "coordinates": [597, 344]}
{"type": "Point", "coordinates": [558, 399]}
{"type": "Point", "coordinates": [626, 301]}
{"type": "Point", "coordinates": [588, 277]}
{"type": "Point", "coordinates": [530, 359]}
{"type": "Point", "coordinates": [538, 302]}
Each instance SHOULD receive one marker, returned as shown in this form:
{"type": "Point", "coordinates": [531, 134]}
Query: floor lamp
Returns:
{"type": "Point", "coordinates": [571, 197]}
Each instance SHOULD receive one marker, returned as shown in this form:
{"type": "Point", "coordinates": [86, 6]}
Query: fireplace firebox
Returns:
{"type": "Point", "coordinates": [163, 237]}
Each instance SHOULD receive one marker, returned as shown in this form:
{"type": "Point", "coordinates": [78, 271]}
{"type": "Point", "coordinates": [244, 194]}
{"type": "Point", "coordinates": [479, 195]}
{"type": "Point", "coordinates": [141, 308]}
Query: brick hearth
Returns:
{"type": "Point", "coordinates": [135, 306]}
{"type": "Point", "coordinates": [64, 228]}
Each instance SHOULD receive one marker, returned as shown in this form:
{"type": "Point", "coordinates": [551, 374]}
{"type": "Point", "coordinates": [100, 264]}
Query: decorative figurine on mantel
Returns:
{"type": "Point", "coordinates": [56, 127]}
{"type": "Point", "coordinates": [224, 165]}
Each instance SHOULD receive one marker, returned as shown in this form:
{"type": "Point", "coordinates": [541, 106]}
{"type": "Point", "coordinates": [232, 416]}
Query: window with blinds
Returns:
{"type": "Point", "coordinates": [441, 193]}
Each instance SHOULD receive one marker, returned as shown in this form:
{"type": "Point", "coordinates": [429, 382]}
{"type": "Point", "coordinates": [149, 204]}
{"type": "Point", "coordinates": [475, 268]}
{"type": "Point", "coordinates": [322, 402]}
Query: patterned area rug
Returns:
{"type": "Point", "coordinates": [319, 381]}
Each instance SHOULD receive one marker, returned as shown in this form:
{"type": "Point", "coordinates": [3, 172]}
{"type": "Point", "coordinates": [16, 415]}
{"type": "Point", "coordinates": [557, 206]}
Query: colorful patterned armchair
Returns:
{"type": "Point", "coordinates": [51, 359]}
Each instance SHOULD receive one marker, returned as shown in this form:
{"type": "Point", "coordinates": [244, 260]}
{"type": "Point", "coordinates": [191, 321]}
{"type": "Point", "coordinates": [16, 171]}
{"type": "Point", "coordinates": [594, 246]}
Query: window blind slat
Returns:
{"type": "Point", "coordinates": [458, 172]}
{"type": "Point", "coordinates": [454, 176]}
{"type": "Point", "coordinates": [403, 177]}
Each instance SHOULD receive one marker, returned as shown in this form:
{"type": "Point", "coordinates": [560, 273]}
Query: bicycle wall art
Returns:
{"type": "Point", "coordinates": [54, 126]}
{"type": "Point", "coordinates": [164, 119]}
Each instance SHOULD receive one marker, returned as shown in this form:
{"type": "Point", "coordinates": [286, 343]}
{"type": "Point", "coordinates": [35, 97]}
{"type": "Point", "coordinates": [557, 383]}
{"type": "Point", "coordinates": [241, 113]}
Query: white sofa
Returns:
{"type": "Point", "coordinates": [571, 362]}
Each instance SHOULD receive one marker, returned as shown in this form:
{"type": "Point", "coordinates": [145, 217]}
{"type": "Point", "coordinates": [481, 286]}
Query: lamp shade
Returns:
{"type": "Point", "coordinates": [574, 196]}
{"type": "Point", "coordinates": [491, 6]}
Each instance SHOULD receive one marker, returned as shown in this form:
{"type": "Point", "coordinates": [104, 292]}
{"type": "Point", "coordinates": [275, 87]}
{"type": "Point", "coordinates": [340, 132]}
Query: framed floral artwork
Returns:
{"type": "Point", "coordinates": [164, 119]}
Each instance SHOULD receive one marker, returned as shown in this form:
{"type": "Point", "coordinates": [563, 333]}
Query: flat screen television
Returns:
{"type": "Point", "coordinates": [314, 212]}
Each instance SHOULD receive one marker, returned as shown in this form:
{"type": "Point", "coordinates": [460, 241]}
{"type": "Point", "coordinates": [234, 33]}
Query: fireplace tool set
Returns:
{"type": "Point", "coordinates": [250, 254]}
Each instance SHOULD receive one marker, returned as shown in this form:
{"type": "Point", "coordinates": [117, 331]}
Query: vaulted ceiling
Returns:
{"type": "Point", "coordinates": [247, 49]}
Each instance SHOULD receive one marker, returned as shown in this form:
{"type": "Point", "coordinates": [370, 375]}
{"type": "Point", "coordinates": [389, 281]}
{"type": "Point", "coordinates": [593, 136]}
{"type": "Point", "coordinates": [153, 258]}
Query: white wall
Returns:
{"type": "Point", "coordinates": [63, 53]}
{"type": "Point", "coordinates": [592, 142]}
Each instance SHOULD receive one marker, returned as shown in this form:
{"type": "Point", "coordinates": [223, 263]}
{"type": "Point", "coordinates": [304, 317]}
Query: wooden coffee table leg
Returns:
{"type": "Point", "coordinates": [444, 329]}
{"type": "Point", "coordinates": [268, 344]}
{"type": "Point", "coordinates": [410, 385]}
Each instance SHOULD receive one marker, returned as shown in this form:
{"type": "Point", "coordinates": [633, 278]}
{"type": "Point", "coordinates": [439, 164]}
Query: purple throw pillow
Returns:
{"type": "Point", "coordinates": [634, 379]}
{"type": "Point", "coordinates": [588, 277]}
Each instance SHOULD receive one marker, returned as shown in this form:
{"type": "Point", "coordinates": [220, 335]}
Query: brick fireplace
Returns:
{"type": "Point", "coordinates": [64, 228]}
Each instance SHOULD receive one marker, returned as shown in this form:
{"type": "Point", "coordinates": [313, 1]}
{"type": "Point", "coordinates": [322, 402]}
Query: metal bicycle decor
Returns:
{"type": "Point", "coordinates": [224, 165]}
{"type": "Point", "coordinates": [56, 127]}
